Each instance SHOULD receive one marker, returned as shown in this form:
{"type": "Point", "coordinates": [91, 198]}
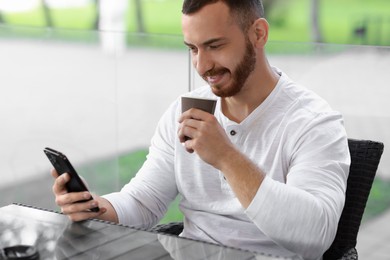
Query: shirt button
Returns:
{"type": "Point", "coordinates": [233, 133]}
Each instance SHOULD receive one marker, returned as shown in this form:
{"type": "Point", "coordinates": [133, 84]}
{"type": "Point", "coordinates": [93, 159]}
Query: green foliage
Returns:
{"type": "Point", "coordinates": [289, 19]}
{"type": "Point", "coordinates": [129, 164]}
{"type": "Point", "coordinates": [34, 17]}
{"type": "Point", "coordinates": [379, 199]}
{"type": "Point", "coordinates": [159, 16]}
{"type": "Point", "coordinates": [75, 18]}
{"type": "Point", "coordinates": [338, 20]}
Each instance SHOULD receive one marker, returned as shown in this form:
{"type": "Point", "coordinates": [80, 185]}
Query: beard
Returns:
{"type": "Point", "coordinates": [239, 75]}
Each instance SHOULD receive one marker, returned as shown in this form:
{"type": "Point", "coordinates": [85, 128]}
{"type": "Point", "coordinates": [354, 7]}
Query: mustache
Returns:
{"type": "Point", "coordinates": [213, 72]}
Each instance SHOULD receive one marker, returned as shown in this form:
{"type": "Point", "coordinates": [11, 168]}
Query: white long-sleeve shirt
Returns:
{"type": "Point", "coordinates": [294, 137]}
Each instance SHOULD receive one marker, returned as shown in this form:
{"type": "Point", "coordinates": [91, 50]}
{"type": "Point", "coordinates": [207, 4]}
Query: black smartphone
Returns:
{"type": "Point", "coordinates": [62, 165]}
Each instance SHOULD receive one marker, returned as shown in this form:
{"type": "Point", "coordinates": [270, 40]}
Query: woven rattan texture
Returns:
{"type": "Point", "coordinates": [365, 157]}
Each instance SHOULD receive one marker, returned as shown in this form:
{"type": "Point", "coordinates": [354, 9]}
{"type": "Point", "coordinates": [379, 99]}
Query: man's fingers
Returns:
{"type": "Point", "coordinates": [186, 131]}
{"type": "Point", "coordinates": [54, 173]}
{"type": "Point", "coordinates": [73, 197]}
{"type": "Point", "coordinates": [76, 205]}
{"type": "Point", "coordinates": [81, 210]}
{"type": "Point", "coordinates": [79, 207]}
{"type": "Point", "coordinates": [59, 184]}
{"type": "Point", "coordinates": [194, 113]}
{"type": "Point", "coordinates": [80, 216]}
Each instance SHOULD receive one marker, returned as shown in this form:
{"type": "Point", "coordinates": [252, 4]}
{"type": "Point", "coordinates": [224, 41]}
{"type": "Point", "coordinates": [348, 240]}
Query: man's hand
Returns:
{"type": "Point", "coordinates": [210, 142]}
{"type": "Point", "coordinates": [78, 211]}
{"type": "Point", "coordinates": [201, 132]}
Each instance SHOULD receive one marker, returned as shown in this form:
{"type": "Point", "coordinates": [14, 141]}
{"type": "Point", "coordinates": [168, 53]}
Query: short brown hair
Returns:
{"type": "Point", "coordinates": [245, 11]}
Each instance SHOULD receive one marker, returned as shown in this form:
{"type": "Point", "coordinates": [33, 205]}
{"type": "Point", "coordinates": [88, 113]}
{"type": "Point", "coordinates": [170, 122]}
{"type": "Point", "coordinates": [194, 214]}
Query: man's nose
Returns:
{"type": "Point", "coordinates": [202, 62]}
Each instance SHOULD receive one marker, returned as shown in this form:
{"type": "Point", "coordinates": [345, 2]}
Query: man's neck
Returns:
{"type": "Point", "coordinates": [252, 95]}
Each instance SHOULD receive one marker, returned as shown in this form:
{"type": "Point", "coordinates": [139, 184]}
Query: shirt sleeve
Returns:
{"type": "Point", "coordinates": [302, 214]}
{"type": "Point", "coordinates": [145, 199]}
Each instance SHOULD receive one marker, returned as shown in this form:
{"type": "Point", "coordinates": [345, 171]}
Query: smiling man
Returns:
{"type": "Point", "coordinates": [267, 172]}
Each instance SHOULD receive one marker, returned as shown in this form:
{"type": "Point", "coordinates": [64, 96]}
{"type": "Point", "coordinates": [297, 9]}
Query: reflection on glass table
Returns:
{"type": "Point", "coordinates": [56, 237]}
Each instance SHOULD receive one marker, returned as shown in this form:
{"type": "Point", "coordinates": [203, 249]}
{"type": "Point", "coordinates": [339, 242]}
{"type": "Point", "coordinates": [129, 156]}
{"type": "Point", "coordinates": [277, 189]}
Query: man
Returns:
{"type": "Point", "coordinates": [266, 173]}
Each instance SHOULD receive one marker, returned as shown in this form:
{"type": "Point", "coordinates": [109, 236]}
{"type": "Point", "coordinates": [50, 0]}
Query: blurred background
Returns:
{"type": "Point", "coordinates": [91, 78]}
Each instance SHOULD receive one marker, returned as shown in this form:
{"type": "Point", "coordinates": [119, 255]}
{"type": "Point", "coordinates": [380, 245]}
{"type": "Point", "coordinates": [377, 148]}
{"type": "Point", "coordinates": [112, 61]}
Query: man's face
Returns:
{"type": "Point", "coordinates": [221, 53]}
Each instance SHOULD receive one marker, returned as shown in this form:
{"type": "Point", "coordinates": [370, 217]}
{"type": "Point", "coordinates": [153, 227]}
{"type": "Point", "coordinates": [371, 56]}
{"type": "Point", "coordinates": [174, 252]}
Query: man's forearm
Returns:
{"type": "Point", "coordinates": [243, 176]}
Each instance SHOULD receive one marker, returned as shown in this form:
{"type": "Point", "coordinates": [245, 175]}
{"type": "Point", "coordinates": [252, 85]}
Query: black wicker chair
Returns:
{"type": "Point", "coordinates": [365, 157]}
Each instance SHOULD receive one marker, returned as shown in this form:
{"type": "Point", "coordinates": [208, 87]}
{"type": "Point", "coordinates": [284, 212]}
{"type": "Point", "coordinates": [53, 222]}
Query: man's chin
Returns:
{"type": "Point", "coordinates": [217, 90]}
{"type": "Point", "coordinates": [223, 93]}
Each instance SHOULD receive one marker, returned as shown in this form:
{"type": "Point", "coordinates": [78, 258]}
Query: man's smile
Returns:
{"type": "Point", "coordinates": [214, 77]}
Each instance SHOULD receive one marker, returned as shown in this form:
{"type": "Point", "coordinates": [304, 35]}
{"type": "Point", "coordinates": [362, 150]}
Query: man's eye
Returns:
{"type": "Point", "coordinates": [193, 49]}
{"type": "Point", "coordinates": [215, 46]}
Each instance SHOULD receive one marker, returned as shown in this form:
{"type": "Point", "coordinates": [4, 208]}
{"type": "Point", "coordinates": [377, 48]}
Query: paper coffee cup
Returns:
{"type": "Point", "coordinates": [205, 104]}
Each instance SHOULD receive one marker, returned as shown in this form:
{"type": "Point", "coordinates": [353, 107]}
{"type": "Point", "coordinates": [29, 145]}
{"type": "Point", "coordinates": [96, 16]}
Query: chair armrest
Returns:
{"type": "Point", "coordinates": [351, 254]}
{"type": "Point", "coordinates": [173, 228]}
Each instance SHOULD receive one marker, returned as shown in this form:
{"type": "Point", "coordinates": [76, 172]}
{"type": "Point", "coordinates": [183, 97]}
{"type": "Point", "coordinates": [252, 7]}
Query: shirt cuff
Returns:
{"type": "Point", "coordinates": [112, 199]}
{"type": "Point", "coordinates": [259, 201]}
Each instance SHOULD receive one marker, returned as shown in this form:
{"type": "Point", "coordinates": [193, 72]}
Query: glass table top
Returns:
{"type": "Point", "coordinates": [56, 237]}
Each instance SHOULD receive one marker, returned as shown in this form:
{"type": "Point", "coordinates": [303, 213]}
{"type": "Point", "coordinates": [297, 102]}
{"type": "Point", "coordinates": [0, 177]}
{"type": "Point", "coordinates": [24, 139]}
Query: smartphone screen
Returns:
{"type": "Point", "coordinates": [62, 165]}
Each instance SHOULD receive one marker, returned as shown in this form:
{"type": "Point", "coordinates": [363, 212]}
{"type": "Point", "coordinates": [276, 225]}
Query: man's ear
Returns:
{"type": "Point", "coordinates": [260, 27]}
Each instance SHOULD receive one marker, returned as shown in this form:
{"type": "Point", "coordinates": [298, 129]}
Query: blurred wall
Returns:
{"type": "Point", "coordinates": [81, 100]}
